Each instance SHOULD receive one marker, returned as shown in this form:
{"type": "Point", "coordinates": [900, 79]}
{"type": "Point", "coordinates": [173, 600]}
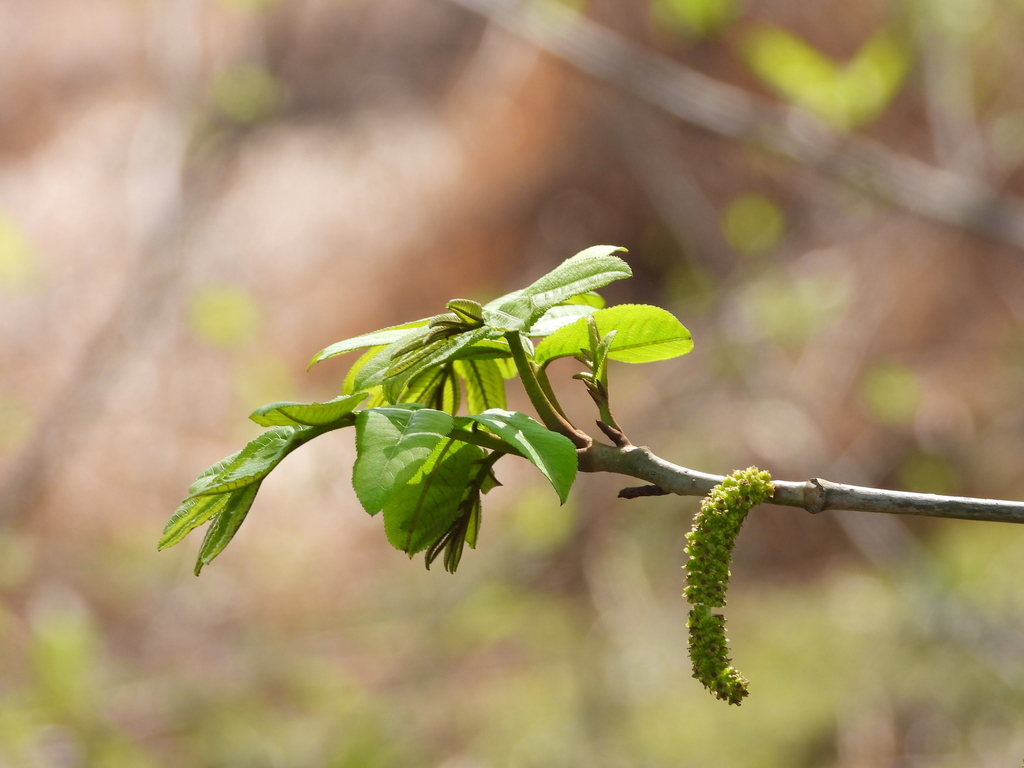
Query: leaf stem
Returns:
{"type": "Point", "coordinates": [488, 462]}
{"type": "Point", "coordinates": [545, 385]}
{"type": "Point", "coordinates": [549, 415]}
{"type": "Point", "coordinates": [484, 440]}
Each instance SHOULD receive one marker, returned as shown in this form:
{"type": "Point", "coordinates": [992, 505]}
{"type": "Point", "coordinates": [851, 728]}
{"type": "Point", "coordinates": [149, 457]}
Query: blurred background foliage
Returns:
{"type": "Point", "coordinates": [197, 195]}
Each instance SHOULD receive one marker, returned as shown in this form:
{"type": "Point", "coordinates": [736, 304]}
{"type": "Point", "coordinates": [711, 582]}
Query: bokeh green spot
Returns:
{"type": "Point", "coordinates": [15, 422]}
{"type": "Point", "coordinates": [791, 310]}
{"type": "Point", "coordinates": [892, 393]}
{"type": "Point", "coordinates": [247, 94]}
{"type": "Point", "coordinates": [262, 378]}
{"type": "Point", "coordinates": [224, 316]}
{"type": "Point", "coordinates": [19, 269]}
{"type": "Point", "coordinates": [573, 5]}
{"type": "Point", "coordinates": [697, 18]}
{"type": "Point", "coordinates": [540, 527]}
{"type": "Point", "coordinates": [753, 224]}
{"type": "Point", "coordinates": [847, 95]}
{"type": "Point", "coordinates": [247, 5]}
{"type": "Point", "coordinates": [925, 473]}
{"type": "Point", "coordinates": [1006, 135]}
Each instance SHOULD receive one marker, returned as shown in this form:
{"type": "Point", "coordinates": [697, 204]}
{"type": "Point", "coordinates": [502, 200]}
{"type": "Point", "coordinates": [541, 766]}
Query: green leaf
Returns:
{"type": "Point", "coordinates": [514, 315]}
{"type": "Point", "coordinates": [467, 310]}
{"type": "Point", "coordinates": [485, 386]}
{"type": "Point", "coordinates": [451, 394]}
{"type": "Point", "coordinates": [209, 475]}
{"type": "Point", "coordinates": [226, 524]}
{"type": "Point", "coordinates": [400, 373]}
{"type": "Point", "coordinates": [458, 534]}
{"type": "Point", "coordinates": [589, 299]}
{"type": "Point", "coordinates": [409, 358]}
{"type": "Point", "coordinates": [376, 398]}
{"type": "Point", "coordinates": [392, 442]}
{"type": "Point", "coordinates": [349, 385]}
{"type": "Point", "coordinates": [374, 370]}
{"type": "Point", "coordinates": [424, 388]}
{"type": "Point", "coordinates": [493, 305]}
{"type": "Point", "coordinates": [489, 482]}
{"type": "Point", "coordinates": [498, 351]}
{"type": "Point", "coordinates": [593, 268]}
{"type": "Point", "coordinates": [558, 317]}
{"type": "Point", "coordinates": [425, 508]}
{"type": "Point", "coordinates": [309, 415]}
{"type": "Point", "coordinates": [252, 463]}
{"type": "Point", "coordinates": [553, 454]}
{"type": "Point", "coordinates": [485, 349]}
{"type": "Point", "coordinates": [191, 513]}
{"type": "Point", "coordinates": [473, 525]}
{"type": "Point", "coordinates": [379, 338]}
{"type": "Point", "coordinates": [508, 369]}
{"type": "Point", "coordinates": [466, 527]}
{"type": "Point", "coordinates": [644, 334]}
{"type": "Point", "coordinates": [436, 388]}
{"type": "Point", "coordinates": [601, 353]}
{"type": "Point", "coordinates": [406, 357]}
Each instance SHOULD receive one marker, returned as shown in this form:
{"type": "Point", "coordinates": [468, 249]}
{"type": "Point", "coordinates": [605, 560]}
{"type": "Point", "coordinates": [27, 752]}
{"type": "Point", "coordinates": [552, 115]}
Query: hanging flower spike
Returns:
{"type": "Point", "coordinates": [709, 547]}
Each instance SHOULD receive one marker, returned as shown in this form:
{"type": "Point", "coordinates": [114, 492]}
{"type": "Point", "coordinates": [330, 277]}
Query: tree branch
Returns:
{"type": "Point", "coordinates": [724, 109]}
{"type": "Point", "coordinates": [814, 495]}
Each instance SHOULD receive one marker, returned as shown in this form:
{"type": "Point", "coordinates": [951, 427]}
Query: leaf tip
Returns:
{"type": "Point", "coordinates": [168, 538]}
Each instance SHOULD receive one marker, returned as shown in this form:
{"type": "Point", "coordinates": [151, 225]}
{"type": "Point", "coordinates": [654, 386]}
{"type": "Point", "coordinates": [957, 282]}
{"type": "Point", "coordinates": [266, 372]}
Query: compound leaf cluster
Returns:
{"type": "Point", "coordinates": [418, 461]}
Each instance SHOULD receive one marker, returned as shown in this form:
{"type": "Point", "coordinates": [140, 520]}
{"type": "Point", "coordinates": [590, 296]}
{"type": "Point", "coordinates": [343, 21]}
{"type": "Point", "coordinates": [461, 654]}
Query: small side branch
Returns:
{"type": "Point", "coordinates": [640, 491]}
{"type": "Point", "coordinates": [614, 434]}
{"type": "Point", "coordinates": [814, 495]}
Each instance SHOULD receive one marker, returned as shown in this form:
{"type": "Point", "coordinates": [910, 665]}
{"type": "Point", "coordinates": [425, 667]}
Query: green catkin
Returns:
{"type": "Point", "coordinates": [709, 546]}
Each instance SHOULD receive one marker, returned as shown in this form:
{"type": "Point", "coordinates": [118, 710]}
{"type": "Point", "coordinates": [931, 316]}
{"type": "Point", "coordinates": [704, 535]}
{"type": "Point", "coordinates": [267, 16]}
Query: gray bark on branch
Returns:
{"type": "Point", "coordinates": [814, 495]}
